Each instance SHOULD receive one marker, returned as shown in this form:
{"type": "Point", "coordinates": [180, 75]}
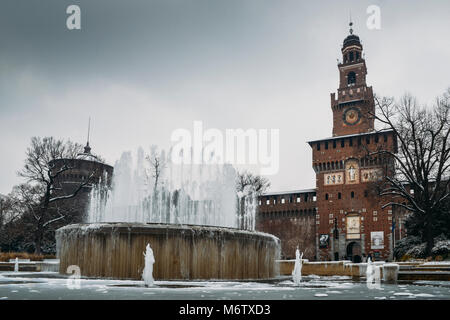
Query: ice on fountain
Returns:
{"type": "Point", "coordinates": [297, 273]}
{"type": "Point", "coordinates": [370, 271]}
{"type": "Point", "coordinates": [181, 194]}
{"type": "Point", "coordinates": [147, 274]}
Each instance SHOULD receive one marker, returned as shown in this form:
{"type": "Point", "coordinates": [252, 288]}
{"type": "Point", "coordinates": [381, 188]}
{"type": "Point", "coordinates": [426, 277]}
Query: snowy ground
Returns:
{"type": "Point", "coordinates": [50, 285]}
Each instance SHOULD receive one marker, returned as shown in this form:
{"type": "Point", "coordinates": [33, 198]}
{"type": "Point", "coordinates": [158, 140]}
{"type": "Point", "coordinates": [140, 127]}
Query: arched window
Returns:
{"type": "Point", "coordinates": [351, 78]}
{"type": "Point", "coordinates": [351, 56]}
{"type": "Point", "coordinates": [326, 196]}
{"type": "Point", "coordinates": [352, 194]}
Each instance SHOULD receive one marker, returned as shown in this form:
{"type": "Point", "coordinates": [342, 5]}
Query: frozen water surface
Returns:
{"type": "Point", "coordinates": [51, 285]}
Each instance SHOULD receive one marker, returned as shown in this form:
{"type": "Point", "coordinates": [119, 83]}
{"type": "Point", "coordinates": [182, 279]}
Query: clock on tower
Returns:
{"type": "Point", "coordinates": [354, 105]}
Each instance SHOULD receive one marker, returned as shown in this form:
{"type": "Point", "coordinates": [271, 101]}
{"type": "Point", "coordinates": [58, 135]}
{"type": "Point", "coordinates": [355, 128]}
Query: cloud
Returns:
{"type": "Point", "coordinates": [141, 69]}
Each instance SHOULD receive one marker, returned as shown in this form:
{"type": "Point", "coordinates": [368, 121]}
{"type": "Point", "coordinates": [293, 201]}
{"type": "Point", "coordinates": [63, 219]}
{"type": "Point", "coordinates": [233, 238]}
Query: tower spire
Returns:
{"type": "Point", "coordinates": [87, 148]}
{"type": "Point", "coordinates": [350, 22]}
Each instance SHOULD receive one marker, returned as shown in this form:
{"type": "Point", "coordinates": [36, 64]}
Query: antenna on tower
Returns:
{"type": "Point", "coordinates": [87, 148]}
{"type": "Point", "coordinates": [350, 22]}
{"type": "Point", "coordinates": [89, 130]}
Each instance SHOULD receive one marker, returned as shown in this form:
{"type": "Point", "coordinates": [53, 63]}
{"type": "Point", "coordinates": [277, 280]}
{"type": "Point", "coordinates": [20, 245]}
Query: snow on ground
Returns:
{"type": "Point", "coordinates": [437, 263]}
{"type": "Point", "coordinates": [51, 285]}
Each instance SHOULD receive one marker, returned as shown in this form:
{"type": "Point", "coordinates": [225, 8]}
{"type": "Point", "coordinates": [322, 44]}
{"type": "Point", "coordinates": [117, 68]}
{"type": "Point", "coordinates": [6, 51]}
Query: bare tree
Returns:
{"type": "Point", "coordinates": [158, 164]}
{"type": "Point", "coordinates": [46, 160]}
{"type": "Point", "coordinates": [246, 178]}
{"type": "Point", "coordinates": [21, 202]}
{"type": "Point", "coordinates": [249, 187]}
{"type": "Point", "coordinates": [421, 180]}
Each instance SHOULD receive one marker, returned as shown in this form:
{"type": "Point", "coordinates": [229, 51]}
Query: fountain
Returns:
{"type": "Point", "coordinates": [297, 272]}
{"type": "Point", "coordinates": [369, 271]}
{"type": "Point", "coordinates": [390, 272]}
{"type": "Point", "coordinates": [373, 275]}
{"type": "Point", "coordinates": [198, 225]}
{"type": "Point", "coordinates": [147, 274]}
{"type": "Point", "coordinates": [16, 265]}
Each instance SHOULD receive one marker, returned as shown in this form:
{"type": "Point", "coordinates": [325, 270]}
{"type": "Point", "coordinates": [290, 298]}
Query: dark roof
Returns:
{"type": "Point", "coordinates": [288, 192]}
{"type": "Point", "coordinates": [353, 135]}
{"type": "Point", "coordinates": [352, 39]}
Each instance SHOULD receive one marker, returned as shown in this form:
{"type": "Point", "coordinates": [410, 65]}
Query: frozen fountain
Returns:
{"type": "Point", "coordinates": [297, 272]}
{"type": "Point", "coordinates": [198, 225]}
{"type": "Point", "coordinates": [373, 275]}
{"type": "Point", "coordinates": [147, 274]}
{"type": "Point", "coordinates": [370, 271]}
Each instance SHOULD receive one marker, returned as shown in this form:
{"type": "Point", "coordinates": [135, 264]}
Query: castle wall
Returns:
{"type": "Point", "coordinates": [292, 220]}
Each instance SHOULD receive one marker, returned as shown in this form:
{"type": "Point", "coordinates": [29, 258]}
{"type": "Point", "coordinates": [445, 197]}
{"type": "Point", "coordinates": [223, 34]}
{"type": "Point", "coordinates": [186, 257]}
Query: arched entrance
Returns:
{"type": "Point", "coordinates": [354, 251]}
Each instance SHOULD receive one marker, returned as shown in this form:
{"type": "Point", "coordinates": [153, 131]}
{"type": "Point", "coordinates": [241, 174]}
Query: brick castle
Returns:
{"type": "Point", "coordinates": [342, 218]}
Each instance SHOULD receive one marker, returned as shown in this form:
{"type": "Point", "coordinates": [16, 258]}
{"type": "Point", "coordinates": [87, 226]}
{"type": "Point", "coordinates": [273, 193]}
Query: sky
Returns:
{"type": "Point", "coordinates": [141, 69]}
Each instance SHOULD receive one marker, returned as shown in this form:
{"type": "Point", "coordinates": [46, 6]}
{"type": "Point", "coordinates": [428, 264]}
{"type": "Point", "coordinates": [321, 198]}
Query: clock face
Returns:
{"type": "Point", "coordinates": [352, 116]}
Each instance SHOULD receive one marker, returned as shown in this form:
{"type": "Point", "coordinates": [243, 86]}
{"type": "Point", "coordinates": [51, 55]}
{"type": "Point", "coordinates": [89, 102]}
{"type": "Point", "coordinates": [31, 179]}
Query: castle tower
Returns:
{"type": "Point", "coordinates": [354, 106]}
{"type": "Point", "coordinates": [86, 167]}
{"type": "Point", "coordinates": [350, 220]}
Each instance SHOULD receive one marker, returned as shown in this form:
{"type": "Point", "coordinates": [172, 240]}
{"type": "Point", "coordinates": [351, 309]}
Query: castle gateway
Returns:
{"type": "Point", "coordinates": [342, 218]}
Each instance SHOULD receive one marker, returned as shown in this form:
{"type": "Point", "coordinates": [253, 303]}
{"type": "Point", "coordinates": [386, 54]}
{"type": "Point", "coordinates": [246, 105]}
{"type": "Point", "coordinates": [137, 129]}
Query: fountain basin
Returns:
{"type": "Point", "coordinates": [115, 250]}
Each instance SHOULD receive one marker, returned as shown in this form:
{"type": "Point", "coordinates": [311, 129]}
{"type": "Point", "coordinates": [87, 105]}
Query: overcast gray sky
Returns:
{"type": "Point", "coordinates": [142, 69]}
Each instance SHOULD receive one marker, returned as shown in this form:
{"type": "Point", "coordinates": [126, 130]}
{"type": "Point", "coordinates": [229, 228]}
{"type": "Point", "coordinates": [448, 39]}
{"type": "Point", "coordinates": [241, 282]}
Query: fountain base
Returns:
{"type": "Point", "coordinates": [115, 250]}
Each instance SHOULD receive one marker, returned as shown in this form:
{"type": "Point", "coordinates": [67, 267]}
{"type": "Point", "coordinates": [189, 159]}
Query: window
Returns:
{"type": "Point", "coordinates": [350, 142]}
{"type": "Point", "coordinates": [351, 78]}
{"type": "Point", "coordinates": [326, 145]}
{"type": "Point", "coordinates": [365, 193]}
{"type": "Point", "coordinates": [376, 139]}
{"type": "Point", "coordinates": [326, 196]}
{"type": "Point", "coordinates": [352, 194]}
{"type": "Point", "coordinates": [357, 55]}
{"type": "Point", "coordinates": [298, 199]}
{"type": "Point", "coordinates": [385, 137]}
{"type": "Point", "coordinates": [351, 56]}
{"type": "Point", "coordinates": [283, 201]}
{"type": "Point", "coordinates": [359, 141]}
{"type": "Point", "coordinates": [339, 195]}
{"type": "Point", "coordinates": [367, 140]}
{"type": "Point", "coordinates": [318, 145]}
{"type": "Point", "coordinates": [267, 201]}
{"type": "Point", "coordinates": [342, 143]}
{"type": "Point", "coordinates": [334, 144]}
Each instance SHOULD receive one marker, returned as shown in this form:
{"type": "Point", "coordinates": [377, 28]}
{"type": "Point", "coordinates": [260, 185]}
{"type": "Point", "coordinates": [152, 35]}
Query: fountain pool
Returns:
{"type": "Point", "coordinates": [51, 285]}
{"type": "Point", "coordinates": [198, 225]}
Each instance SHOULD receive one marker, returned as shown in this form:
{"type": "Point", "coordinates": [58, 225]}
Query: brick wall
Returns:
{"type": "Point", "coordinates": [291, 217]}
